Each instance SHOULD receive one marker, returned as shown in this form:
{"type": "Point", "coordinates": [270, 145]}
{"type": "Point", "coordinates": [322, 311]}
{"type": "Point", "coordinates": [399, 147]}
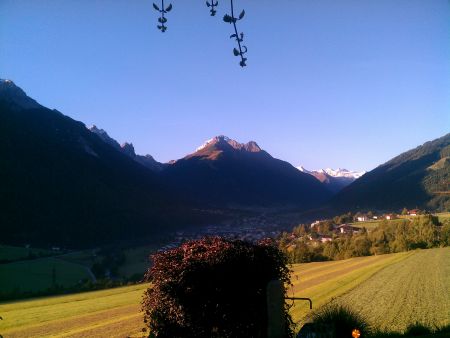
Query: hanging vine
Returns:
{"type": "Point", "coordinates": [213, 6]}
{"type": "Point", "coordinates": [240, 50]}
{"type": "Point", "coordinates": [239, 37]}
{"type": "Point", "coordinates": [162, 19]}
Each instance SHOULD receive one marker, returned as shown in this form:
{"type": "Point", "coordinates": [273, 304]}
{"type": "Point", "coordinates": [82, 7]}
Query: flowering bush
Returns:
{"type": "Point", "coordinates": [213, 287]}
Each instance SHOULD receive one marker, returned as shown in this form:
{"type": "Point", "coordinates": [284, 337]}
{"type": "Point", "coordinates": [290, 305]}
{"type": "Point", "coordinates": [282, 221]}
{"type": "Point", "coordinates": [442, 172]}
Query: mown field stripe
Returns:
{"type": "Point", "coordinates": [323, 292]}
{"type": "Point", "coordinates": [87, 303]}
{"type": "Point", "coordinates": [414, 290]}
{"type": "Point", "coordinates": [308, 278]}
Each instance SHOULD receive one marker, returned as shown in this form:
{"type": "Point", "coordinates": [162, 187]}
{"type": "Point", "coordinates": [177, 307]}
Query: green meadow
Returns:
{"type": "Point", "coordinates": [392, 291]}
{"type": "Point", "coordinates": [40, 274]}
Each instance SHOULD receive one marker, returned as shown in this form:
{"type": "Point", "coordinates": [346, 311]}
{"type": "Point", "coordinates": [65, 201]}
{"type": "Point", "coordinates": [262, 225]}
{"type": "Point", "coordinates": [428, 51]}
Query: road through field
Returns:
{"type": "Point", "coordinates": [416, 289]}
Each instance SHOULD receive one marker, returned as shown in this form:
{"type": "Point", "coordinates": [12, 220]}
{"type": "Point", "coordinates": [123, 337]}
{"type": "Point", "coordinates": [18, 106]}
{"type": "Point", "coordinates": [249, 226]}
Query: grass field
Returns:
{"type": "Point", "coordinates": [415, 289]}
{"type": "Point", "coordinates": [323, 281]}
{"type": "Point", "coordinates": [443, 216]}
{"type": "Point", "coordinates": [391, 290]}
{"type": "Point", "coordinates": [40, 274]}
{"type": "Point", "coordinates": [14, 253]}
{"type": "Point", "coordinates": [106, 313]}
{"type": "Point", "coordinates": [369, 225]}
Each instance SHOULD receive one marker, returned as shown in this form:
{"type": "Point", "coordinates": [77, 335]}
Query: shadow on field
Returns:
{"type": "Point", "coordinates": [416, 330]}
{"type": "Point", "coordinates": [338, 321]}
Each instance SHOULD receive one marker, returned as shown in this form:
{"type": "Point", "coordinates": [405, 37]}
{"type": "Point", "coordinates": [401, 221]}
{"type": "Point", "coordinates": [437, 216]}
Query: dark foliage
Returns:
{"type": "Point", "coordinates": [241, 50]}
{"type": "Point", "coordinates": [162, 10]}
{"type": "Point", "coordinates": [417, 330]}
{"type": "Point", "coordinates": [212, 6]}
{"type": "Point", "coordinates": [341, 320]}
{"type": "Point", "coordinates": [213, 288]}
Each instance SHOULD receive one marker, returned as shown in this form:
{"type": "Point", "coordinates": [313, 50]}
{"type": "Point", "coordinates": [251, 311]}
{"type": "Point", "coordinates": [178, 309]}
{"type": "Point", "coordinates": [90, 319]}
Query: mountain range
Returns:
{"type": "Point", "coordinates": [64, 183]}
{"type": "Point", "coordinates": [334, 179]}
{"type": "Point", "coordinates": [225, 172]}
{"type": "Point", "coordinates": [418, 178]}
{"type": "Point", "coordinates": [128, 149]}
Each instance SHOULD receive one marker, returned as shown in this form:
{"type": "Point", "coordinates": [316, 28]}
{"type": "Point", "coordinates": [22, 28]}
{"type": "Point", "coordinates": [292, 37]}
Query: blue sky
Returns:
{"type": "Point", "coordinates": [329, 83]}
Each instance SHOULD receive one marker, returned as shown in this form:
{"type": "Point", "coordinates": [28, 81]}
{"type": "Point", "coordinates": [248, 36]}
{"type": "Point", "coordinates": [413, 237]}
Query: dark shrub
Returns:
{"type": "Point", "coordinates": [417, 330]}
{"type": "Point", "coordinates": [213, 288]}
{"type": "Point", "coordinates": [340, 320]}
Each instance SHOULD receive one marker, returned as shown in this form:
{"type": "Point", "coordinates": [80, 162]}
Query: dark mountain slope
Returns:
{"type": "Point", "coordinates": [417, 178]}
{"type": "Point", "coordinates": [62, 185]}
{"type": "Point", "coordinates": [128, 149]}
{"type": "Point", "coordinates": [224, 172]}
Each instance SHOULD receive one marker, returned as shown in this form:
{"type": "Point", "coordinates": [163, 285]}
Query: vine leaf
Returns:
{"type": "Point", "coordinates": [242, 14]}
{"type": "Point", "coordinates": [236, 52]}
{"type": "Point", "coordinates": [169, 8]}
{"type": "Point", "coordinates": [155, 6]}
{"type": "Point", "coordinates": [227, 18]}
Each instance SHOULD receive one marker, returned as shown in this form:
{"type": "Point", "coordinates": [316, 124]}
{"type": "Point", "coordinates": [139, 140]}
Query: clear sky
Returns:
{"type": "Point", "coordinates": [329, 83]}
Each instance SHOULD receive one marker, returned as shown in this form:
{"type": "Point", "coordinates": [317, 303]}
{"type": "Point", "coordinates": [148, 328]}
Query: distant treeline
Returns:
{"type": "Point", "coordinates": [421, 232]}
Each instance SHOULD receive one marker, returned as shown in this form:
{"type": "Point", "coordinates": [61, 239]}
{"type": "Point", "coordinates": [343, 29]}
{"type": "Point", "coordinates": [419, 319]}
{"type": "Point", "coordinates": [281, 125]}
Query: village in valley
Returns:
{"type": "Point", "coordinates": [324, 230]}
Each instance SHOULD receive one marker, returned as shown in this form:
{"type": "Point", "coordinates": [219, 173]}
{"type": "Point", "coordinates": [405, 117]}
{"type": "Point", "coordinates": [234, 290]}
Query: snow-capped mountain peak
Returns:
{"type": "Point", "coordinates": [303, 169]}
{"type": "Point", "coordinates": [340, 172]}
{"type": "Point", "coordinates": [250, 146]}
{"type": "Point", "coordinates": [334, 179]}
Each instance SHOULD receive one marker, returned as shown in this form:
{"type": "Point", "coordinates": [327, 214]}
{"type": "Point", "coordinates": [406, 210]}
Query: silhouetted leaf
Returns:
{"type": "Point", "coordinates": [208, 4]}
{"type": "Point", "coordinates": [241, 15]}
{"type": "Point", "coordinates": [169, 8]}
{"type": "Point", "coordinates": [227, 18]}
{"type": "Point", "coordinates": [155, 6]}
{"type": "Point", "coordinates": [233, 36]}
{"type": "Point", "coordinates": [235, 52]}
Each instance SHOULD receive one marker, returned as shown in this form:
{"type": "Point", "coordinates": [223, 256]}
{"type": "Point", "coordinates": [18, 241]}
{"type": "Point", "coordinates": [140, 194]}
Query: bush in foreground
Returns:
{"type": "Point", "coordinates": [213, 288]}
{"type": "Point", "coordinates": [340, 320]}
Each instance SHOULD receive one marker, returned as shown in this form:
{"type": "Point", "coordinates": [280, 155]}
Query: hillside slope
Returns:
{"type": "Point", "coordinates": [417, 178]}
{"type": "Point", "coordinates": [62, 185]}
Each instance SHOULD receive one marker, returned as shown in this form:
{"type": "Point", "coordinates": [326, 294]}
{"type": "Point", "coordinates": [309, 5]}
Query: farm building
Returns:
{"type": "Point", "coordinates": [390, 216]}
{"type": "Point", "coordinates": [347, 229]}
{"type": "Point", "coordinates": [413, 212]}
{"type": "Point", "coordinates": [325, 239]}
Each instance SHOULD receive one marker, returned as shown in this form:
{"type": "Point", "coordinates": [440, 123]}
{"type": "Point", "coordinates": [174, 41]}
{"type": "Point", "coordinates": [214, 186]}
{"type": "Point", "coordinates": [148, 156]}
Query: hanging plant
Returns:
{"type": "Point", "coordinates": [213, 4]}
{"type": "Point", "coordinates": [241, 50]}
{"type": "Point", "coordinates": [162, 19]}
